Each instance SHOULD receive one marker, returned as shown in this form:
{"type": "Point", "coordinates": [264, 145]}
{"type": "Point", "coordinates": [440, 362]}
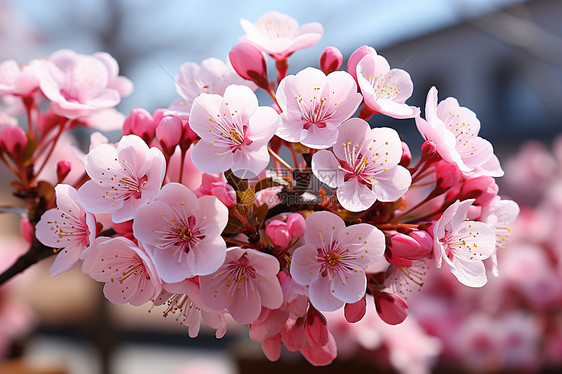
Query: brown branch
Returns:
{"type": "Point", "coordinates": [36, 253]}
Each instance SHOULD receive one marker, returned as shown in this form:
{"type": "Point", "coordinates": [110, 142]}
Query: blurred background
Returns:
{"type": "Point", "coordinates": [500, 58]}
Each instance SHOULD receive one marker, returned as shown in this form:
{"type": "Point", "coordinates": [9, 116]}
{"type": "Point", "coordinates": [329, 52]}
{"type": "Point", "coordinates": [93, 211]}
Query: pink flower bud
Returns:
{"type": "Point", "coordinates": [13, 141]}
{"type": "Point", "coordinates": [140, 123]}
{"type": "Point", "coordinates": [278, 232]}
{"type": "Point", "coordinates": [484, 189]}
{"type": "Point", "coordinates": [356, 311]}
{"type": "Point", "coordinates": [213, 186]}
{"type": "Point", "coordinates": [428, 149]}
{"type": "Point", "coordinates": [406, 156]}
{"type": "Point", "coordinates": [293, 333]}
{"type": "Point", "coordinates": [447, 175]}
{"type": "Point", "coordinates": [158, 114]}
{"type": "Point", "coordinates": [188, 136]}
{"type": "Point", "coordinates": [390, 307]}
{"type": "Point", "coordinates": [26, 230]}
{"type": "Point", "coordinates": [296, 225]}
{"type": "Point", "coordinates": [168, 132]}
{"type": "Point", "coordinates": [321, 356]}
{"type": "Point", "coordinates": [63, 168]}
{"type": "Point", "coordinates": [356, 57]}
{"type": "Point", "coordinates": [413, 246]}
{"type": "Point", "coordinates": [330, 60]}
{"type": "Point", "coordinates": [249, 63]}
{"type": "Point", "coordinates": [316, 328]}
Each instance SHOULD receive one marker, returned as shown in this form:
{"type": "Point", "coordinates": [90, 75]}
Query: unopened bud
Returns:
{"type": "Point", "coordinates": [356, 57]}
{"type": "Point", "coordinates": [390, 307]}
{"type": "Point", "coordinates": [413, 246]}
{"type": "Point", "coordinates": [63, 168]}
{"type": "Point", "coordinates": [249, 63]}
{"type": "Point", "coordinates": [330, 60]}
{"type": "Point", "coordinates": [13, 141]}
{"type": "Point", "coordinates": [168, 133]}
{"type": "Point", "coordinates": [296, 225]}
{"type": "Point", "coordinates": [140, 123]}
{"type": "Point", "coordinates": [278, 232]}
{"type": "Point", "coordinates": [316, 328]}
{"type": "Point", "coordinates": [484, 189]}
{"type": "Point", "coordinates": [356, 311]}
{"type": "Point", "coordinates": [406, 156]}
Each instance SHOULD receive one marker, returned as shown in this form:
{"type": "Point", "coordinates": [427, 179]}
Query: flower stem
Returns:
{"type": "Point", "coordinates": [280, 160]}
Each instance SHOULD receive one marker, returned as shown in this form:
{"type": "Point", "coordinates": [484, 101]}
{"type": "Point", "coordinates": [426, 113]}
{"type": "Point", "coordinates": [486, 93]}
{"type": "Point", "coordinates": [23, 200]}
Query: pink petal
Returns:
{"type": "Point", "coordinates": [211, 159]}
{"type": "Point", "coordinates": [206, 107]}
{"type": "Point", "coordinates": [349, 287]}
{"type": "Point", "coordinates": [392, 184]}
{"type": "Point", "coordinates": [304, 266]}
{"type": "Point", "coordinates": [246, 305]}
{"type": "Point", "coordinates": [319, 226]}
{"type": "Point", "coordinates": [355, 196]}
{"type": "Point", "coordinates": [365, 242]}
{"type": "Point", "coordinates": [354, 130]}
{"type": "Point", "coordinates": [325, 168]}
{"type": "Point", "coordinates": [240, 99]}
{"type": "Point", "coordinates": [469, 273]}
{"type": "Point", "coordinates": [66, 260]}
{"type": "Point", "coordinates": [209, 255]}
{"type": "Point", "coordinates": [322, 296]}
{"type": "Point", "coordinates": [263, 125]}
{"type": "Point", "coordinates": [248, 163]}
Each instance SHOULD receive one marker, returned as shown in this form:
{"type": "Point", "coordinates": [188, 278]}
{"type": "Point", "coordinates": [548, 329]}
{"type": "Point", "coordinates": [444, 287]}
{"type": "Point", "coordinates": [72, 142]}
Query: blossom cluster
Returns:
{"type": "Point", "coordinates": [186, 213]}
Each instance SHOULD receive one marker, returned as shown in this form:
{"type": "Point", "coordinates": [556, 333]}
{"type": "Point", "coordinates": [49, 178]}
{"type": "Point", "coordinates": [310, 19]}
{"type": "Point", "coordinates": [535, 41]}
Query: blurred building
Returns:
{"type": "Point", "coordinates": [506, 66]}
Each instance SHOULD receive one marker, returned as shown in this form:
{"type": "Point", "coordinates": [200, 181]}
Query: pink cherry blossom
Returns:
{"type": "Point", "coordinates": [77, 85]}
{"type": "Point", "coordinates": [365, 166]}
{"type": "Point", "coordinates": [182, 232]}
{"type": "Point", "coordinates": [280, 35]}
{"type": "Point", "coordinates": [499, 215]}
{"type": "Point", "coordinates": [385, 90]}
{"type": "Point", "coordinates": [212, 77]}
{"type": "Point", "coordinates": [463, 244]}
{"type": "Point", "coordinates": [234, 132]}
{"type": "Point", "coordinates": [454, 130]}
{"type": "Point", "coordinates": [244, 283]}
{"type": "Point", "coordinates": [334, 258]}
{"type": "Point", "coordinates": [19, 80]}
{"type": "Point", "coordinates": [183, 300]}
{"type": "Point", "coordinates": [123, 178]}
{"type": "Point", "coordinates": [68, 227]}
{"type": "Point", "coordinates": [127, 271]}
{"type": "Point", "coordinates": [314, 106]}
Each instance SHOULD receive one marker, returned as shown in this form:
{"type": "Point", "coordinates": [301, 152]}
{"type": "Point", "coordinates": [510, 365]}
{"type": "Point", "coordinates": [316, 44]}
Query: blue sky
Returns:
{"type": "Point", "coordinates": [190, 30]}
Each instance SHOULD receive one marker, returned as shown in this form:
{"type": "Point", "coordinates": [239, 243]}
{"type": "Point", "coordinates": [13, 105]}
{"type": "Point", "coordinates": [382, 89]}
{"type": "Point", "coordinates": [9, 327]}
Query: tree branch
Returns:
{"type": "Point", "coordinates": [36, 253]}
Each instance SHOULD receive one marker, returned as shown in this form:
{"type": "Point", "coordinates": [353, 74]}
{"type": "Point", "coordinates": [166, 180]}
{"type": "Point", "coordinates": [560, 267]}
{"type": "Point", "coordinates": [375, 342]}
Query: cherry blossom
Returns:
{"type": "Point", "coordinates": [183, 299]}
{"type": "Point", "coordinates": [454, 130]}
{"type": "Point", "coordinates": [211, 77]}
{"type": "Point", "coordinates": [78, 85]}
{"type": "Point", "coordinates": [127, 271]}
{"type": "Point", "coordinates": [123, 178]}
{"type": "Point", "coordinates": [19, 80]}
{"type": "Point", "coordinates": [463, 244]}
{"type": "Point", "coordinates": [244, 283]}
{"type": "Point", "coordinates": [280, 35]}
{"type": "Point", "coordinates": [68, 227]}
{"type": "Point", "coordinates": [334, 258]}
{"type": "Point", "coordinates": [365, 166]}
{"type": "Point", "coordinates": [182, 232]}
{"type": "Point", "coordinates": [385, 90]}
{"type": "Point", "coordinates": [314, 106]}
{"type": "Point", "coordinates": [234, 132]}
{"type": "Point", "coordinates": [499, 215]}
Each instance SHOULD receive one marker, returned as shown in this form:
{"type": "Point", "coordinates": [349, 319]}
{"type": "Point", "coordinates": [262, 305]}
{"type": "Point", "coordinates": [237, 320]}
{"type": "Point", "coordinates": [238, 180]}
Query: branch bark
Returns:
{"type": "Point", "coordinates": [36, 253]}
